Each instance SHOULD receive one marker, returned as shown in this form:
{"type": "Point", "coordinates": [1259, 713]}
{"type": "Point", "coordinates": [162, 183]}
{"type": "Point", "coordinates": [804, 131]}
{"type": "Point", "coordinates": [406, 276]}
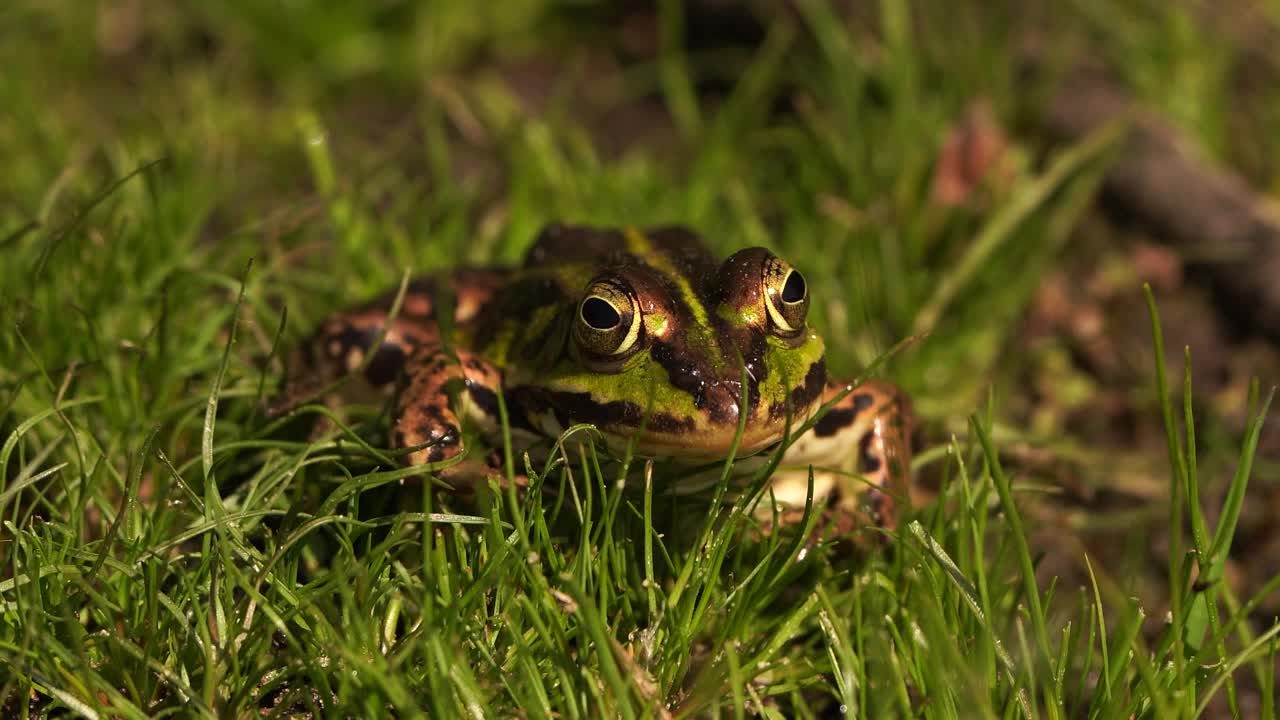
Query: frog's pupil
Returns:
{"type": "Point", "coordinates": [793, 288]}
{"type": "Point", "coordinates": [599, 314]}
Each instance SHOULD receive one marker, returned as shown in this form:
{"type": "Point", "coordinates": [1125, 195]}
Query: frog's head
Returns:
{"type": "Point", "coordinates": [659, 345]}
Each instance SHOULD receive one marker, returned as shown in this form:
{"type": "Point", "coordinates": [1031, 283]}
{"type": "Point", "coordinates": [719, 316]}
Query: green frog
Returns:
{"type": "Point", "coordinates": [643, 334]}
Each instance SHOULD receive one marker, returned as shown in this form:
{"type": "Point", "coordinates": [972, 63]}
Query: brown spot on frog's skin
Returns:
{"type": "Point", "coordinates": [386, 365]}
{"type": "Point", "coordinates": [844, 414]}
{"type": "Point", "coordinates": [486, 400]}
{"type": "Point", "coordinates": [868, 457]}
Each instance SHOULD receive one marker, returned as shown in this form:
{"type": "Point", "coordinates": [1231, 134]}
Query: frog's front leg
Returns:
{"type": "Point", "coordinates": [441, 391]}
{"type": "Point", "coordinates": [860, 452]}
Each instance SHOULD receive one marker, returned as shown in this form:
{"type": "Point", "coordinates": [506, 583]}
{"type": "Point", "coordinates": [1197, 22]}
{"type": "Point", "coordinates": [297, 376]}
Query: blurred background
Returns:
{"type": "Point", "coordinates": [997, 180]}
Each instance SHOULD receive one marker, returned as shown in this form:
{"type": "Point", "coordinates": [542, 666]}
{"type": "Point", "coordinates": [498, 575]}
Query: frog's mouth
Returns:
{"type": "Point", "coordinates": [711, 433]}
{"type": "Point", "coordinates": [707, 431]}
{"type": "Point", "coordinates": [710, 444]}
{"type": "Point", "coordinates": [687, 439]}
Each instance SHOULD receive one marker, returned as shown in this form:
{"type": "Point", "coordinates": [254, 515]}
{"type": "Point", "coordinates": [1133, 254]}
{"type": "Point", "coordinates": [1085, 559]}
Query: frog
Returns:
{"type": "Point", "coordinates": [642, 333]}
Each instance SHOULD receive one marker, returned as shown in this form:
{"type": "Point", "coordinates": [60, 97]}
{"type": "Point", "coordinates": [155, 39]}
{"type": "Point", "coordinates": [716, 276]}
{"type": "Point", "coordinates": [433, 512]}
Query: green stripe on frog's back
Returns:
{"type": "Point", "coordinates": [700, 331]}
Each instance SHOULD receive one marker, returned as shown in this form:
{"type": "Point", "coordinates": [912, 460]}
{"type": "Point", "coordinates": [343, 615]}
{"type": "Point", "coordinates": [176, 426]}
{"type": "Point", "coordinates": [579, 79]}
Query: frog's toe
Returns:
{"type": "Point", "coordinates": [433, 437]}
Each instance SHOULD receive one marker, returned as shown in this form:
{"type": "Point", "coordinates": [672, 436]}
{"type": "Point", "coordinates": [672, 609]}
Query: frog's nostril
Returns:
{"type": "Point", "coordinates": [723, 399]}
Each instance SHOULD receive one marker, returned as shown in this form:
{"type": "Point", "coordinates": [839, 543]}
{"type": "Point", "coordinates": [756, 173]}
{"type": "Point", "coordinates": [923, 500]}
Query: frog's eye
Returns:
{"type": "Point", "coordinates": [786, 296]}
{"type": "Point", "coordinates": [608, 322]}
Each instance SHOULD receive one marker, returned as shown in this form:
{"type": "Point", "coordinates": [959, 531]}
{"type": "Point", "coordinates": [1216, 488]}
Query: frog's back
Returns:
{"type": "Point", "coordinates": [603, 247]}
{"type": "Point", "coordinates": [494, 308]}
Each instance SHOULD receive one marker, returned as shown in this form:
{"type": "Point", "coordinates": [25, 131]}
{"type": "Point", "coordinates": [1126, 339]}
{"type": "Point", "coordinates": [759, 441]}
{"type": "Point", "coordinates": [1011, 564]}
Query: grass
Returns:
{"type": "Point", "coordinates": [188, 194]}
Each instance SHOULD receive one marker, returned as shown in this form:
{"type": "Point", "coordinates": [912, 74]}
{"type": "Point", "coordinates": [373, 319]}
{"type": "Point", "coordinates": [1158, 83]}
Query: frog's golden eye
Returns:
{"type": "Point", "coordinates": [608, 322]}
{"type": "Point", "coordinates": [786, 296]}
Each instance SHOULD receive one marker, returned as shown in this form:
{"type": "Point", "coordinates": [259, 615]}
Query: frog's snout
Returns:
{"type": "Point", "coordinates": [722, 399]}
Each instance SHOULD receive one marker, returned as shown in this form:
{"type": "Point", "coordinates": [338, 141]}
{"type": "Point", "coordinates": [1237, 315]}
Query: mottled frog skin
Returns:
{"type": "Point", "coordinates": [641, 333]}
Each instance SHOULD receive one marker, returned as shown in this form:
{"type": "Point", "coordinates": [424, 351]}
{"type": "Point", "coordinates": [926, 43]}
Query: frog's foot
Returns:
{"type": "Point", "coordinates": [861, 456]}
